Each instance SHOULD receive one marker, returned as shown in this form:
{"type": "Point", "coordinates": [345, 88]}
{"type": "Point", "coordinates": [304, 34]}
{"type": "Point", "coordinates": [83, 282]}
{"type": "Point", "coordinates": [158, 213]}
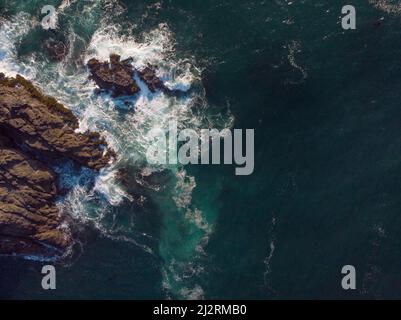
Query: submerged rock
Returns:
{"type": "Point", "coordinates": [116, 75]}
{"type": "Point", "coordinates": [56, 50]}
{"type": "Point", "coordinates": [34, 130]}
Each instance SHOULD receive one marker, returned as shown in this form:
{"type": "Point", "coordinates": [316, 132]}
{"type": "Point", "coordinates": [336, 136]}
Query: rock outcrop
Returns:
{"type": "Point", "coordinates": [34, 130]}
{"type": "Point", "coordinates": [45, 127]}
{"type": "Point", "coordinates": [116, 76]}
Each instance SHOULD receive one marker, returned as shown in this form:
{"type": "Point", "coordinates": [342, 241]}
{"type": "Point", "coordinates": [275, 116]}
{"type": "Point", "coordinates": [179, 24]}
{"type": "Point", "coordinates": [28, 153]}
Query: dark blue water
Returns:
{"type": "Point", "coordinates": [325, 193]}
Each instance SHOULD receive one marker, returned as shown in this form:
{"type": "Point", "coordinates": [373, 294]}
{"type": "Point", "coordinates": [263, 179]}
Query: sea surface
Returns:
{"type": "Point", "coordinates": [325, 107]}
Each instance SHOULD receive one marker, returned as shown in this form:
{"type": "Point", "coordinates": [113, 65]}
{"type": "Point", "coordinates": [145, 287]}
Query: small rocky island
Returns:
{"type": "Point", "coordinates": [35, 131]}
{"type": "Point", "coordinates": [116, 76]}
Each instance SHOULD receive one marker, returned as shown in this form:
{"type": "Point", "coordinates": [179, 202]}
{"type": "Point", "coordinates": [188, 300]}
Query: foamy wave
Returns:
{"type": "Point", "coordinates": [85, 206]}
{"type": "Point", "coordinates": [11, 32]}
{"type": "Point", "coordinates": [157, 49]}
{"type": "Point", "coordinates": [106, 184]}
{"type": "Point", "coordinates": [70, 176]}
{"type": "Point", "coordinates": [156, 45]}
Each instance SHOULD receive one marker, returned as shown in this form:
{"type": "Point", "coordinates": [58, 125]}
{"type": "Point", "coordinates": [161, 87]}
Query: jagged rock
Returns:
{"type": "Point", "coordinates": [56, 50]}
{"type": "Point", "coordinates": [154, 83]}
{"type": "Point", "coordinates": [116, 76]}
{"type": "Point", "coordinates": [35, 129]}
{"type": "Point", "coordinates": [30, 222]}
{"type": "Point", "coordinates": [148, 75]}
{"type": "Point", "coordinates": [45, 126]}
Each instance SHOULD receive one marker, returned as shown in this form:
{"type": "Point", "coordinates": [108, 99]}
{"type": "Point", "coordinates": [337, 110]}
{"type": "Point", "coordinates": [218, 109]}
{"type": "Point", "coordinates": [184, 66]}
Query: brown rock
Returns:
{"type": "Point", "coordinates": [148, 75]}
{"type": "Point", "coordinates": [45, 126]}
{"type": "Point", "coordinates": [116, 76]}
{"type": "Point", "coordinates": [32, 127]}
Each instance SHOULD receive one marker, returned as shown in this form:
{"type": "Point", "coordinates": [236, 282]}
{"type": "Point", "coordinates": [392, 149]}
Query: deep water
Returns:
{"type": "Point", "coordinates": [325, 106]}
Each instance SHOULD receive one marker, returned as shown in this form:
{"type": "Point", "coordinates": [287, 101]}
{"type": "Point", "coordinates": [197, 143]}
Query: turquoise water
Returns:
{"type": "Point", "coordinates": [324, 104]}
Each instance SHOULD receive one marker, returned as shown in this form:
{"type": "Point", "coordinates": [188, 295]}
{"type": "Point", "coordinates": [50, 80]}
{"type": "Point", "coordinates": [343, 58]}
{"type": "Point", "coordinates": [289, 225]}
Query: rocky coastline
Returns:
{"type": "Point", "coordinates": [36, 130]}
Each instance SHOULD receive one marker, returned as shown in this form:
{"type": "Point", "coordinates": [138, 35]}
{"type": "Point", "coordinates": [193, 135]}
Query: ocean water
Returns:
{"type": "Point", "coordinates": [324, 104]}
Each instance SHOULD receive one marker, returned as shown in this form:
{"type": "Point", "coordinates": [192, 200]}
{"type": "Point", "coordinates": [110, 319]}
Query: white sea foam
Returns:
{"type": "Point", "coordinates": [11, 32]}
{"type": "Point", "coordinates": [294, 47]}
{"type": "Point", "coordinates": [65, 4]}
{"type": "Point", "coordinates": [183, 200]}
{"type": "Point", "coordinates": [70, 176]}
{"type": "Point", "coordinates": [184, 187]}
